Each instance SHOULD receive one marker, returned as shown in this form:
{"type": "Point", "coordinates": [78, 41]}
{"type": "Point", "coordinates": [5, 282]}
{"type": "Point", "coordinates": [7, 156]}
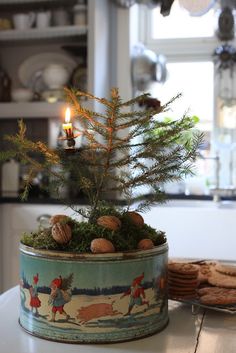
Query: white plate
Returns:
{"type": "Point", "coordinates": [31, 69]}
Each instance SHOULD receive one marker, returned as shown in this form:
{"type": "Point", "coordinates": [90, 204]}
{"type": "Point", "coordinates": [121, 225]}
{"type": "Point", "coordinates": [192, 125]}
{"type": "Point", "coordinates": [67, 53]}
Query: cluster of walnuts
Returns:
{"type": "Point", "coordinates": [62, 233]}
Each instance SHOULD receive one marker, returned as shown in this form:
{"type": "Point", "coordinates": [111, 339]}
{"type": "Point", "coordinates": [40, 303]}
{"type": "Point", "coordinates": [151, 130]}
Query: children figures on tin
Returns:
{"type": "Point", "coordinates": [137, 294]}
{"type": "Point", "coordinates": [35, 302]}
{"type": "Point", "coordinates": [58, 298]}
{"type": "Point", "coordinates": [142, 296]}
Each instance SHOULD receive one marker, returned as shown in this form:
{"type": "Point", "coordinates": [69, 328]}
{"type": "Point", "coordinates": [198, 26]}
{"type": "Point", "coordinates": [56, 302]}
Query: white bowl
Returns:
{"type": "Point", "coordinates": [21, 95]}
{"type": "Point", "coordinates": [55, 76]}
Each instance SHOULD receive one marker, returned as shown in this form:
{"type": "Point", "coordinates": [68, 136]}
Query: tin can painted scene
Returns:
{"type": "Point", "coordinates": [90, 298]}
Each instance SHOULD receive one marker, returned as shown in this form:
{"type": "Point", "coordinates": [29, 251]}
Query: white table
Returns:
{"type": "Point", "coordinates": [206, 332]}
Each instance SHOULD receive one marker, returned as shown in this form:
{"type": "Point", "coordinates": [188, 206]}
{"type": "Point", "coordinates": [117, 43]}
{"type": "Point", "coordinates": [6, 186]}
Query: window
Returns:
{"type": "Point", "coordinates": [180, 25]}
{"type": "Point", "coordinates": [194, 80]}
{"type": "Point", "coordinates": [188, 44]}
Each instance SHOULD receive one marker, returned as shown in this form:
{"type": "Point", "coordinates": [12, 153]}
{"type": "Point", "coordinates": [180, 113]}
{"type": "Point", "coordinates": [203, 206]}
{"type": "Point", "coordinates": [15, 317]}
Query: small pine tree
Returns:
{"type": "Point", "coordinates": [121, 157]}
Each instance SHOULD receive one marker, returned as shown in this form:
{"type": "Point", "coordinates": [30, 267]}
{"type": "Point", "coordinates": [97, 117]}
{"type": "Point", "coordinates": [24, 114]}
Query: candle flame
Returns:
{"type": "Point", "coordinates": [67, 115]}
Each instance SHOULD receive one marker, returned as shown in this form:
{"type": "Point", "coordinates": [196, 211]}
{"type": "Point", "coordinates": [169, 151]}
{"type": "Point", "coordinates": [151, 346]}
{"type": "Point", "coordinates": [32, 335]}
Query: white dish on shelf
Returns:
{"type": "Point", "coordinates": [34, 66]}
{"type": "Point", "coordinates": [21, 95]}
{"type": "Point", "coordinates": [53, 95]}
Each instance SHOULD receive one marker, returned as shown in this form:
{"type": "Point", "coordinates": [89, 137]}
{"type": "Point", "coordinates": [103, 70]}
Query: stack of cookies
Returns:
{"type": "Point", "coordinates": [182, 280]}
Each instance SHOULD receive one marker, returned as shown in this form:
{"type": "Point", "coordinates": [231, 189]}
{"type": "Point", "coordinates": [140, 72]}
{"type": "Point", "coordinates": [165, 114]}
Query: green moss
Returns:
{"type": "Point", "coordinates": [40, 239]}
{"type": "Point", "coordinates": [124, 239]}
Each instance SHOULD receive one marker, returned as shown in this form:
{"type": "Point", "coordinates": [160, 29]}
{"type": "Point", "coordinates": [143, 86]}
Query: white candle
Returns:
{"type": "Point", "coordinates": [67, 126]}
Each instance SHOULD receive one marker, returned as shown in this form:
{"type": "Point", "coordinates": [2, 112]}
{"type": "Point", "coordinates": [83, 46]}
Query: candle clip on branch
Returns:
{"type": "Point", "coordinates": [70, 138]}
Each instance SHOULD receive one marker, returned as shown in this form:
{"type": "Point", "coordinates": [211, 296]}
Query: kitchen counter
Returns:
{"type": "Point", "coordinates": [82, 200]}
{"type": "Point", "coordinates": [51, 201]}
{"type": "Point", "coordinates": [41, 198]}
{"type": "Point", "coordinates": [38, 200]}
{"type": "Point", "coordinates": [206, 332]}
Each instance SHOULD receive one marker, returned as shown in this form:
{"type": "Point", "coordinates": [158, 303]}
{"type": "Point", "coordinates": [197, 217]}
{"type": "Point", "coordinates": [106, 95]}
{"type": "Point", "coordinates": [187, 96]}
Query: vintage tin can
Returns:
{"type": "Point", "coordinates": [93, 298]}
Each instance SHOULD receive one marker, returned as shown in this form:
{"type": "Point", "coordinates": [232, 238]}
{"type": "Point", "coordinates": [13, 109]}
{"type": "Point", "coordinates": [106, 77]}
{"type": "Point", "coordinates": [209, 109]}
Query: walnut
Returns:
{"type": "Point", "coordinates": [136, 218]}
{"type": "Point", "coordinates": [145, 244]}
{"type": "Point", "coordinates": [101, 245]}
{"type": "Point", "coordinates": [61, 233]}
{"type": "Point", "coordinates": [110, 222]}
{"type": "Point", "coordinates": [59, 218]}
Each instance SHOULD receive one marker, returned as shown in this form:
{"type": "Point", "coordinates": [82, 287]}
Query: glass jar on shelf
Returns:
{"type": "Point", "coordinates": [80, 14]}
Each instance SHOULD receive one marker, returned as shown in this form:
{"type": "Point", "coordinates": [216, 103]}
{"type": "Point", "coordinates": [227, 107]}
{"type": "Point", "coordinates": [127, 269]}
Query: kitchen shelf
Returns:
{"type": "Point", "coordinates": [10, 2]}
{"type": "Point", "coordinates": [31, 110]}
{"type": "Point", "coordinates": [36, 109]}
{"type": "Point", "coordinates": [33, 5]}
{"type": "Point", "coordinates": [45, 33]}
{"type": "Point", "coordinates": [19, 2]}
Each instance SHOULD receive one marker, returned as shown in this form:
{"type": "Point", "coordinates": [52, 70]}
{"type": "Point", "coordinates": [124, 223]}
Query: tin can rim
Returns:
{"type": "Point", "coordinates": [117, 256]}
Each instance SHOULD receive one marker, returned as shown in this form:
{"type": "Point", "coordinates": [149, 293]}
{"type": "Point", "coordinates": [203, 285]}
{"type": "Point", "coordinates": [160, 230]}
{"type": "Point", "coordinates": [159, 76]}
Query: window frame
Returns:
{"type": "Point", "coordinates": [193, 50]}
{"type": "Point", "coordinates": [183, 50]}
{"type": "Point", "coordinates": [177, 49]}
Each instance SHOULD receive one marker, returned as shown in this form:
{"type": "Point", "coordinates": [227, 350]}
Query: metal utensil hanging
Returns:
{"type": "Point", "coordinates": [147, 67]}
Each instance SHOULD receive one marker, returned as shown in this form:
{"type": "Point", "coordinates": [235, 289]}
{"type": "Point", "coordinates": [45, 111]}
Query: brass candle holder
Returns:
{"type": "Point", "coordinates": [70, 138]}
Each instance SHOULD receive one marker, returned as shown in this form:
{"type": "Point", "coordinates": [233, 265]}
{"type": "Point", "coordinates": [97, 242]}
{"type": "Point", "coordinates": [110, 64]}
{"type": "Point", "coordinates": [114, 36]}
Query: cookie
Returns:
{"type": "Point", "coordinates": [217, 296]}
{"type": "Point", "coordinates": [210, 299]}
{"type": "Point", "coordinates": [210, 290]}
{"type": "Point", "coordinates": [226, 269]}
{"type": "Point", "coordinates": [183, 282]}
{"type": "Point", "coordinates": [181, 276]}
{"type": "Point", "coordinates": [183, 268]}
{"type": "Point", "coordinates": [190, 295]}
{"type": "Point", "coordinates": [222, 280]}
{"type": "Point", "coordinates": [204, 272]}
{"type": "Point", "coordinates": [176, 289]}
{"type": "Point", "coordinates": [216, 291]}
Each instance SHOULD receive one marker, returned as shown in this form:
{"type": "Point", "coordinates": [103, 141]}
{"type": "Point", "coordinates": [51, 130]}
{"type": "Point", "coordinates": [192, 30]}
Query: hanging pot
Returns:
{"type": "Point", "coordinates": [147, 67]}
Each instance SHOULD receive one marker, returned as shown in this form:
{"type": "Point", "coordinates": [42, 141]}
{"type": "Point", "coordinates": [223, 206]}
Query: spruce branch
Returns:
{"type": "Point", "coordinates": [6, 155]}
{"type": "Point", "coordinates": [167, 105]}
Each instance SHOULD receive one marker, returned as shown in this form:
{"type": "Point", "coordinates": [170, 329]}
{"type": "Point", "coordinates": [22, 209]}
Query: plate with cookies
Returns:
{"type": "Point", "coordinates": [203, 283]}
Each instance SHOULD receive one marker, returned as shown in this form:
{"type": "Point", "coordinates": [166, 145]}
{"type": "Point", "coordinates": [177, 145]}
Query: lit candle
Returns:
{"type": "Point", "coordinates": [67, 126]}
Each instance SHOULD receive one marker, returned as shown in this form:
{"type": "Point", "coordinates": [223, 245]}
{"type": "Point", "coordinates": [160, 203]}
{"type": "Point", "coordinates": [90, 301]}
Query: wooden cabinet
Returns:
{"type": "Point", "coordinates": [15, 220]}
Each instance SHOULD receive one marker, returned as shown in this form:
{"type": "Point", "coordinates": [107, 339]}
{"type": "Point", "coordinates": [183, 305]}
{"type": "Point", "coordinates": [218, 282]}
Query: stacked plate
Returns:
{"type": "Point", "coordinates": [31, 70]}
